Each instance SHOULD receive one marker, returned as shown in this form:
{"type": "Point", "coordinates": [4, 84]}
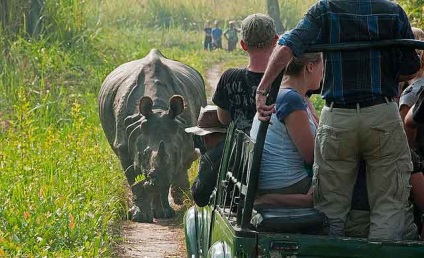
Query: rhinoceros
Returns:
{"type": "Point", "coordinates": [144, 107]}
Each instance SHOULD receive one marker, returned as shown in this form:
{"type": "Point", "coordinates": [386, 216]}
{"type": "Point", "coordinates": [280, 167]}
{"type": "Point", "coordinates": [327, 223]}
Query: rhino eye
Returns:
{"type": "Point", "coordinates": [147, 150]}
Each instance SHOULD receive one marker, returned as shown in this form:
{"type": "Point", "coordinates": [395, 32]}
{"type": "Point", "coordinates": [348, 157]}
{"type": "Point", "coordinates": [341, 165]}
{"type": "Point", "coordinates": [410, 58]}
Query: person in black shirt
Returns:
{"type": "Point", "coordinates": [236, 89]}
{"type": "Point", "coordinates": [207, 43]}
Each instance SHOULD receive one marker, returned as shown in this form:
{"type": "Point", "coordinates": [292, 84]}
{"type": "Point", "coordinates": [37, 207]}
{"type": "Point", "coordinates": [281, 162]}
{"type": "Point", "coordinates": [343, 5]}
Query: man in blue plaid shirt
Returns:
{"type": "Point", "coordinates": [360, 118]}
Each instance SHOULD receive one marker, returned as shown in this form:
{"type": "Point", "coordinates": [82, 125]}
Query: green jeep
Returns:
{"type": "Point", "coordinates": [229, 226]}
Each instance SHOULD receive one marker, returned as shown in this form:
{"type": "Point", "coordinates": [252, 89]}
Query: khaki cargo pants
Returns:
{"type": "Point", "coordinates": [358, 224]}
{"type": "Point", "coordinates": [376, 134]}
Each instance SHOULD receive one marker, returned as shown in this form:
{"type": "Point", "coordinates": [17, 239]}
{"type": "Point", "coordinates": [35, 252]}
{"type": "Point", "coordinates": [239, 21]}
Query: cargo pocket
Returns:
{"type": "Point", "coordinates": [403, 172]}
{"type": "Point", "coordinates": [390, 139]}
{"type": "Point", "coordinates": [328, 140]}
{"type": "Point", "coordinates": [317, 191]}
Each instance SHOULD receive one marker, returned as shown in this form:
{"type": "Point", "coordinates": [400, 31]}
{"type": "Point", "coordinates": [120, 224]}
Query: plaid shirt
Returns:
{"type": "Point", "coordinates": [363, 75]}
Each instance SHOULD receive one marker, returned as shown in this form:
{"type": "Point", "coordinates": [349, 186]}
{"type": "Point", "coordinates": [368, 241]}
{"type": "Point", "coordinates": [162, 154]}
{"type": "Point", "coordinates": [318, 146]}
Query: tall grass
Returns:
{"type": "Point", "coordinates": [186, 14]}
{"type": "Point", "coordinates": [291, 11]}
{"type": "Point", "coordinates": [60, 197]}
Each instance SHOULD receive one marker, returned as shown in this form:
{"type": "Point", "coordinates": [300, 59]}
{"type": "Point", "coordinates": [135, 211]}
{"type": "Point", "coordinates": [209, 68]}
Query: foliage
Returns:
{"type": "Point", "coordinates": [415, 10]}
{"type": "Point", "coordinates": [59, 19]}
{"type": "Point", "coordinates": [292, 11]}
{"type": "Point", "coordinates": [57, 199]}
{"type": "Point", "coordinates": [184, 14]}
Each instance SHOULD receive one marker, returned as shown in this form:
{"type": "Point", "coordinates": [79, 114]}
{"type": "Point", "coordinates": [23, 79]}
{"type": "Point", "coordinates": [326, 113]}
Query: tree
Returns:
{"type": "Point", "coordinates": [274, 13]}
{"type": "Point", "coordinates": [14, 14]}
{"type": "Point", "coordinates": [34, 17]}
{"type": "Point", "coordinates": [3, 14]}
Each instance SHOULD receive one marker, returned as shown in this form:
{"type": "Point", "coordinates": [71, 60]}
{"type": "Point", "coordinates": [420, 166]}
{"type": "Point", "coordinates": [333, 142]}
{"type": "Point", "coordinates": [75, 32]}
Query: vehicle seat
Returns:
{"type": "Point", "coordinates": [289, 220]}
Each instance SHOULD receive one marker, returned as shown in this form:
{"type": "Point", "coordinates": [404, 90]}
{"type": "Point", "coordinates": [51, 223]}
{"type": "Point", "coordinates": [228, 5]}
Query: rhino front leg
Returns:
{"type": "Point", "coordinates": [180, 187]}
{"type": "Point", "coordinates": [161, 208]}
{"type": "Point", "coordinates": [142, 212]}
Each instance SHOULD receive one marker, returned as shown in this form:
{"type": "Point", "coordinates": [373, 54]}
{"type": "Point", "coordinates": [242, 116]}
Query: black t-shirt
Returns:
{"type": "Point", "coordinates": [235, 93]}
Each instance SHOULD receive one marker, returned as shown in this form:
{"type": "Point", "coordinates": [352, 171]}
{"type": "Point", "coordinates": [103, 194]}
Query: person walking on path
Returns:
{"type": "Point", "coordinates": [231, 35]}
{"type": "Point", "coordinates": [216, 36]}
{"type": "Point", "coordinates": [207, 43]}
{"type": "Point", "coordinates": [360, 118]}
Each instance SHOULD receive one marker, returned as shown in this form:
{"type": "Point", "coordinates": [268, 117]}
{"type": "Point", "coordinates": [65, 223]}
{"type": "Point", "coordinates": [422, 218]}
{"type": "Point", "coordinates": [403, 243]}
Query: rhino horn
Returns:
{"type": "Point", "coordinates": [176, 105]}
{"type": "Point", "coordinates": [145, 106]}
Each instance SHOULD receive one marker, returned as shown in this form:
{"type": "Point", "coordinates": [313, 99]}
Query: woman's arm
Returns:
{"type": "Point", "coordinates": [313, 111]}
{"type": "Point", "coordinates": [297, 124]}
{"type": "Point", "coordinates": [410, 128]}
{"type": "Point", "coordinates": [403, 110]}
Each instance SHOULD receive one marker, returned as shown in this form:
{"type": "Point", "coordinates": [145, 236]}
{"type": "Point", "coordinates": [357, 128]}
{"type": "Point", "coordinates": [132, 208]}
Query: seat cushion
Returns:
{"type": "Point", "coordinates": [289, 220]}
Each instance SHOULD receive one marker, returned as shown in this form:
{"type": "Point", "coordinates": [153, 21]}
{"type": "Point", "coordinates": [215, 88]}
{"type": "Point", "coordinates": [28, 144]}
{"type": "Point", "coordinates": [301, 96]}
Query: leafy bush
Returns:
{"type": "Point", "coordinates": [415, 10]}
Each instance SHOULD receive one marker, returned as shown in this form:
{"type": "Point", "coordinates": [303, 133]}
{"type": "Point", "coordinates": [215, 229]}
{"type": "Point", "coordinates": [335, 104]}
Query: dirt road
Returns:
{"type": "Point", "coordinates": [212, 78]}
{"type": "Point", "coordinates": [164, 238]}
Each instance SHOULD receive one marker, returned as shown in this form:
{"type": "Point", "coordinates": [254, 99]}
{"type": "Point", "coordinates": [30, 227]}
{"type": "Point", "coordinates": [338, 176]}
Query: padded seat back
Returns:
{"type": "Point", "coordinates": [289, 220]}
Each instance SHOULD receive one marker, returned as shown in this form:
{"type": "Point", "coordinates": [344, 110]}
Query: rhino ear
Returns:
{"type": "Point", "coordinates": [176, 105]}
{"type": "Point", "coordinates": [145, 106]}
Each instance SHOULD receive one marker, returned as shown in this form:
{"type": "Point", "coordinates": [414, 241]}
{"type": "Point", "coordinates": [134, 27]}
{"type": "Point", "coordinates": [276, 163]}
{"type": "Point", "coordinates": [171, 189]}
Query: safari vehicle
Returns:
{"type": "Point", "coordinates": [229, 226]}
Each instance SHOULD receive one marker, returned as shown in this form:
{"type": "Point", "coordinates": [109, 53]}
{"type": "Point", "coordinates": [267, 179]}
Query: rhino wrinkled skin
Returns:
{"type": "Point", "coordinates": [144, 106]}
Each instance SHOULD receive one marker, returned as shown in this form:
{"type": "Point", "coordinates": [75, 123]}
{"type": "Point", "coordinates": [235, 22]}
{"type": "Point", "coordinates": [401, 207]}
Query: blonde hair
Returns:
{"type": "Point", "coordinates": [419, 35]}
{"type": "Point", "coordinates": [296, 65]}
{"type": "Point", "coordinates": [207, 24]}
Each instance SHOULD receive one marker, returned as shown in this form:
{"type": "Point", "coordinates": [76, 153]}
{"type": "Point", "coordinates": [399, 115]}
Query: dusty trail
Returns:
{"type": "Point", "coordinates": [165, 237]}
{"type": "Point", "coordinates": [212, 76]}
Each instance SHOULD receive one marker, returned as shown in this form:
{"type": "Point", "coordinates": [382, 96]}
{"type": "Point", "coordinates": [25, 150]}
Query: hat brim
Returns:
{"type": "Point", "coordinates": [204, 131]}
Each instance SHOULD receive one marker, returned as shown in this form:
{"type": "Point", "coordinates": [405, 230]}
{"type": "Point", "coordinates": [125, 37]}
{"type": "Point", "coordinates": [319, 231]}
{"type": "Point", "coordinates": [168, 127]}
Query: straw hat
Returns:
{"type": "Point", "coordinates": [208, 122]}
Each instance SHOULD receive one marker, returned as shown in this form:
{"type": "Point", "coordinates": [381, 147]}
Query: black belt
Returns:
{"type": "Point", "coordinates": [363, 104]}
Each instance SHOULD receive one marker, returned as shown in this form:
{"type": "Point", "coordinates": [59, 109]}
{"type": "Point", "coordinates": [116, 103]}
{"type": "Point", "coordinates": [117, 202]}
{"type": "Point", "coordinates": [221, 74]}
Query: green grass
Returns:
{"type": "Point", "coordinates": [61, 189]}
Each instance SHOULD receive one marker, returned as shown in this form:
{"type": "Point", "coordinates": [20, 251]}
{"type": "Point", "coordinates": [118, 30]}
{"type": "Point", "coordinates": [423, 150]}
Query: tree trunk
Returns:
{"type": "Point", "coordinates": [274, 13]}
{"type": "Point", "coordinates": [4, 18]}
{"type": "Point", "coordinates": [34, 17]}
